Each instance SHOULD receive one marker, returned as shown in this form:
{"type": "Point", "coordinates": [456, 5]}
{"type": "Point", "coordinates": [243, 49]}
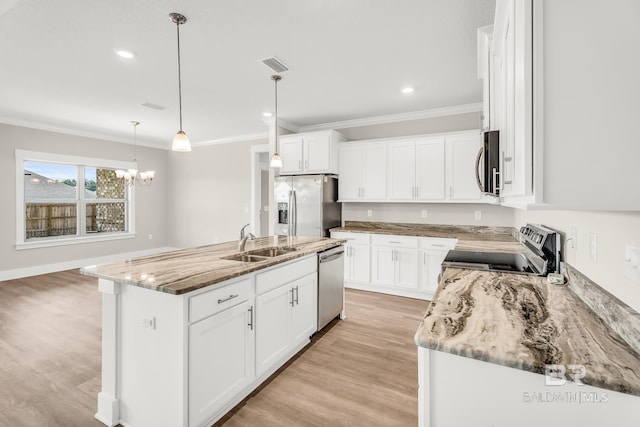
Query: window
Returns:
{"type": "Point", "coordinates": [68, 199]}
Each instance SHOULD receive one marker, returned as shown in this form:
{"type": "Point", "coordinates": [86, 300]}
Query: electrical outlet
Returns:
{"type": "Point", "coordinates": [369, 213]}
{"type": "Point", "coordinates": [632, 263]}
{"type": "Point", "coordinates": [593, 247]}
{"type": "Point", "coordinates": [424, 213]}
{"type": "Point", "coordinates": [478, 215]}
{"type": "Point", "coordinates": [573, 235]}
{"type": "Point", "coordinates": [148, 322]}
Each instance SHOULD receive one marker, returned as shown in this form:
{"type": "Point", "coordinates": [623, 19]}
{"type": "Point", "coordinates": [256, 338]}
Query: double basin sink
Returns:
{"type": "Point", "coordinates": [258, 255]}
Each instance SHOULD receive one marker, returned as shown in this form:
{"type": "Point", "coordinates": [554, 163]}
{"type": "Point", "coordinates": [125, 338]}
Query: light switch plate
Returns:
{"type": "Point", "coordinates": [478, 215]}
{"type": "Point", "coordinates": [632, 263]}
{"type": "Point", "coordinates": [593, 247]}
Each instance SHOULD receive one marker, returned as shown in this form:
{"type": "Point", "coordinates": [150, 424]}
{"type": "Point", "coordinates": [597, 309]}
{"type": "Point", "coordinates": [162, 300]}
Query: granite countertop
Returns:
{"type": "Point", "coordinates": [522, 322]}
{"type": "Point", "coordinates": [182, 271]}
{"type": "Point", "coordinates": [470, 237]}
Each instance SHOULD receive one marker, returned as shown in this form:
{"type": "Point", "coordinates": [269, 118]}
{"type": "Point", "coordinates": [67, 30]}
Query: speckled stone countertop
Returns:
{"type": "Point", "coordinates": [470, 237]}
{"type": "Point", "coordinates": [522, 322]}
{"type": "Point", "coordinates": [182, 271]}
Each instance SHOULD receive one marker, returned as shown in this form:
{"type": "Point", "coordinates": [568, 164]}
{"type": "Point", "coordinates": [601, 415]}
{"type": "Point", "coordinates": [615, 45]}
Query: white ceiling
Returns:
{"type": "Point", "coordinates": [348, 60]}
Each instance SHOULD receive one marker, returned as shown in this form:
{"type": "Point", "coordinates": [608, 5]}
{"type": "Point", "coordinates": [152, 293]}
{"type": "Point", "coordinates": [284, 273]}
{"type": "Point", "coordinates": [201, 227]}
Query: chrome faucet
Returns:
{"type": "Point", "coordinates": [244, 237]}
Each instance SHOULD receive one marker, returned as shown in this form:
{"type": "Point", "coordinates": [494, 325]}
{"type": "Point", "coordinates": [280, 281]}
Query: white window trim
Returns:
{"type": "Point", "coordinates": [35, 156]}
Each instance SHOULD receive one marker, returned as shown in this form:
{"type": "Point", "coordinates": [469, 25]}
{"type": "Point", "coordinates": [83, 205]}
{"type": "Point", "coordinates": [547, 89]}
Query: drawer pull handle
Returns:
{"type": "Point", "coordinates": [440, 246]}
{"type": "Point", "coordinates": [292, 300]}
{"type": "Point", "coordinates": [230, 297]}
{"type": "Point", "coordinates": [394, 241]}
{"type": "Point", "coordinates": [251, 318]}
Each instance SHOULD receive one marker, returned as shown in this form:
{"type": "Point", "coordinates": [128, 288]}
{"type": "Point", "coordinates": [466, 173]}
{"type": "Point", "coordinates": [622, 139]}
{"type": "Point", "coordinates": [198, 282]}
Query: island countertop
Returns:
{"type": "Point", "coordinates": [181, 271]}
{"type": "Point", "coordinates": [522, 322]}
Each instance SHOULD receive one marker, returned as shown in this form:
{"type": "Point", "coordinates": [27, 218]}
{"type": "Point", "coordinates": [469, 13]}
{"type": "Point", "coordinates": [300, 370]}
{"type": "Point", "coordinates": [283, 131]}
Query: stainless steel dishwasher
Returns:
{"type": "Point", "coordinates": [330, 285]}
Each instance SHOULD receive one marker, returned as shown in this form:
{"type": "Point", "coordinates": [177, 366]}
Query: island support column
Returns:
{"type": "Point", "coordinates": [108, 403]}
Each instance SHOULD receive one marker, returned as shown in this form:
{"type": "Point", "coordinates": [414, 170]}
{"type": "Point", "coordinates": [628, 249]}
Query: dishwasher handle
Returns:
{"type": "Point", "coordinates": [331, 255]}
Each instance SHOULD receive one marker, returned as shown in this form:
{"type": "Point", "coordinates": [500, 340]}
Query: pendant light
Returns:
{"type": "Point", "coordinates": [132, 175]}
{"type": "Point", "coordinates": [180, 141]}
{"type": "Point", "coordinates": [276, 160]}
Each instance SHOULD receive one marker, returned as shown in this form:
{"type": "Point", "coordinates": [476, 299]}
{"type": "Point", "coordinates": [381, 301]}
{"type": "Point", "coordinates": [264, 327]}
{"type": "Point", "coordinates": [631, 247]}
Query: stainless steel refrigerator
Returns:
{"type": "Point", "coordinates": [306, 205]}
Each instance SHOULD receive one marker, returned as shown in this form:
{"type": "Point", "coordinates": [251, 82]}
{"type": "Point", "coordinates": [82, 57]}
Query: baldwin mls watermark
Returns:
{"type": "Point", "coordinates": [559, 375]}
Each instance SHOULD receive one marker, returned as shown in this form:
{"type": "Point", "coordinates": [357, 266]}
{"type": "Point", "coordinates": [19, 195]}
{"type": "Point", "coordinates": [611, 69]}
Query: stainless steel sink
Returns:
{"type": "Point", "coordinates": [244, 258]}
{"type": "Point", "coordinates": [271, 252]}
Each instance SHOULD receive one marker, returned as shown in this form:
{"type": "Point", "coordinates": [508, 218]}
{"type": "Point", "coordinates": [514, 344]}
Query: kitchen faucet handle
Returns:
{"type": "Point", "coordinates": [242, 230]}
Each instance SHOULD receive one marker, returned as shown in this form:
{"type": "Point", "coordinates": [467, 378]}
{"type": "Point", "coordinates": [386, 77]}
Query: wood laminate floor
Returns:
{"type": "Point", "coordinates": [361, 371]}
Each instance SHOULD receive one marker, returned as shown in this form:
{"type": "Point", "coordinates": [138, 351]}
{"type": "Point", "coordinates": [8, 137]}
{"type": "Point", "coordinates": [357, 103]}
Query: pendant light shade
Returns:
{"type": "Point", "coordinates": [180, 141]}
{"type": "Point", "coordinates": [276, 160]}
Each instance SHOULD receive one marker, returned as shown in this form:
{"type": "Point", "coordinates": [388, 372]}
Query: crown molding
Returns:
{"type": "Point", "coordinates": [282, 124]}
{"type": "Point", "coordinates": [393, 118]}
{"type": "Point", "coordinates": [75, 132]}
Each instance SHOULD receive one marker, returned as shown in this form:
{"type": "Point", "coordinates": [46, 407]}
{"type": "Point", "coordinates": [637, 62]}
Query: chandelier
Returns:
{"type": "Point", "coordinates": [132, 175]}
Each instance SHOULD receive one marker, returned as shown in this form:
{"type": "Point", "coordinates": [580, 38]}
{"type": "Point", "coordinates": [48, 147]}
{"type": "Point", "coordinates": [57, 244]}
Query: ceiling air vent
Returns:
{"type": "Point", "coordinates": [154, 106]}
{"type": "Point", "coordinates": [275, 64]}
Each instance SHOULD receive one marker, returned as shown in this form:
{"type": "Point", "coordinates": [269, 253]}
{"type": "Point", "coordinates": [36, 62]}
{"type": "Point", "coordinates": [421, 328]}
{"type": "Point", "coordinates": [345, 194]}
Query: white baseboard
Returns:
{"type": "Point", "coordinates": [19, 273]}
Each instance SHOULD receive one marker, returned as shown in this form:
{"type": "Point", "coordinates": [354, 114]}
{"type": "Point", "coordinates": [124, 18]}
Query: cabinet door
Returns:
{"type": "Point", "coordinates": [304, 313]}
{"type": "Point", "coordinates": [359, 262]}
{"type": "Point", "coordinates": [382, 265]}
{"type": "Point", "coordinates": [406, 268]}
{"type": "Point", "coordinates": [220, 360]}
{"type": "Point", "coordinates": [430, 174]}
{"type": "Point", "coordinates": [273, 311]}
{"type": "Point", "coordinates": [374, 180]}
{"type": "Point", "coordinates": [350, 170]}
{"type": "Point", "coordinates": [430, 268]}
{"type": "Point", "coordinates": [402, 170]}
{"type": "Point", "coordinates": [291, 153]}
{"type": "Point", "coordinates": [317, 153]}
{"type": "Point", "coordinates": [461, 166]}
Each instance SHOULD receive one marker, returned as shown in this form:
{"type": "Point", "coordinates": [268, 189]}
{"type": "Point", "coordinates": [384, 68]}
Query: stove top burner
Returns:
{"type": "Point", "coordinates": [541, 254]}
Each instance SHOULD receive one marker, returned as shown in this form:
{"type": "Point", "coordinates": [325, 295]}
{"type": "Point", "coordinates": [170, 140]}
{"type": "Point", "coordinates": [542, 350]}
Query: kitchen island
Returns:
{"type": "Point", "coordinates": [187, 334]}
{"type": "Point", "coordinates": [486, 338]}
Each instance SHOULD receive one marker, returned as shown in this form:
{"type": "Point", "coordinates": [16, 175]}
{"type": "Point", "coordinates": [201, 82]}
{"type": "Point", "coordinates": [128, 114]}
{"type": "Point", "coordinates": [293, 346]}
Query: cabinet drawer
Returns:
{"type": "Point", "coordinates": [362, 238]}
{"type": "Point", "coordinates": [218, 299]}
{"type": "Point", "coordinates": [285, 273]}
{"type": "Point", "coordinates": [437, 243]}
{"type": "Point", "coordinates": [400, 241]}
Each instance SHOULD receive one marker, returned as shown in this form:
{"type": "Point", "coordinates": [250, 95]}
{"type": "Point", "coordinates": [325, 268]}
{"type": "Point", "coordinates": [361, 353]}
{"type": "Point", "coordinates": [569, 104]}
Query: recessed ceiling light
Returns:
{"type": "Point", "coordinates": [267, 114]}
{"type": "Point", "coordinates": [124, 53]}
{"type": "Point", "coordinates": [407, 90]}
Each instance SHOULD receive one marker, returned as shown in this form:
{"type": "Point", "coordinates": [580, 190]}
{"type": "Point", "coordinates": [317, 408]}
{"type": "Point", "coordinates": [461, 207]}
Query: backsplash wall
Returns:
{"type": "Point", "coordinates": [445, 213]}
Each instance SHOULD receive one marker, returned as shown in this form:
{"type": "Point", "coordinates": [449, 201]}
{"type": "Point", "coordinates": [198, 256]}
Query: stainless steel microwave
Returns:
{"type": "Point", "coordinates": [488, 164]}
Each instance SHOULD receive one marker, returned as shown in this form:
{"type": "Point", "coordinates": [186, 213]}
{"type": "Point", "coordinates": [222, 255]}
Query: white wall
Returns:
{"type": "Point", "coordinates": [613, 230]}
{"type": "Point", "coordinates": [209, 193]}
{"type": "Point", "coordinates": [150, 201]}
{"type": "Point", "coordinates": [437, 213]}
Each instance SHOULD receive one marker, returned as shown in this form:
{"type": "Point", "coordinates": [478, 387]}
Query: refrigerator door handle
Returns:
{"type": "Point", "coordinates": [293, 213]}
{"type": "Point", "coordinates": [478, 159]}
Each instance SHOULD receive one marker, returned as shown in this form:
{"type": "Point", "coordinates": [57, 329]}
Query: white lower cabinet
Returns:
{"type": "Point", "coordinates": [394, 261]}
{"type": "Point", "coordinates": [399, 265]}
{"type": "Point", "coordinates": [214, 375]}
{"type": "Point", "coordinates": [285, 318]}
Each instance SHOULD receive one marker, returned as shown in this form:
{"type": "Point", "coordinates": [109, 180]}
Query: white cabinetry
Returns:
{"type": "Point", "coordinates": [394, 261]}
{"type": "Point", "coordinates": [362, 172]}
{"type": "Point", "coordinates": [416, 170]}
{"type": "Point", "coordinates": [398, 265]}
{"type": "Point", "coordinates": [286, 316]}
{"type": "Point", "coordinates": [215, 375]}
{"type": "Point", "coordinates": [461, 152]}
{"type": "Point", "coordinates": [357, 261]}
{"type": "Point", "coordinates": [423, 168]}
{"type": "Point", "coordinates": [430, 257]}
{"type": "Point", "coordinates": [310, 153]}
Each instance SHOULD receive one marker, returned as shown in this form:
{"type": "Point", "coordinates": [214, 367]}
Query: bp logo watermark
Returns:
{"type": "Point", "coordinates": [559, 375]}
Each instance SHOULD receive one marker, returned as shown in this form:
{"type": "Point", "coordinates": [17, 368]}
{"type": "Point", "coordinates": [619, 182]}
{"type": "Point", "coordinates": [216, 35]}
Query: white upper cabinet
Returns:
{"type": "Point", "coordinates": [310, 153]}
{"type": "Point", "coordinates": [427, 168]}
{"type": "Point", "coordinates": [461, 153]}
{"type": "Point", "coordinates": [362, 172]}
